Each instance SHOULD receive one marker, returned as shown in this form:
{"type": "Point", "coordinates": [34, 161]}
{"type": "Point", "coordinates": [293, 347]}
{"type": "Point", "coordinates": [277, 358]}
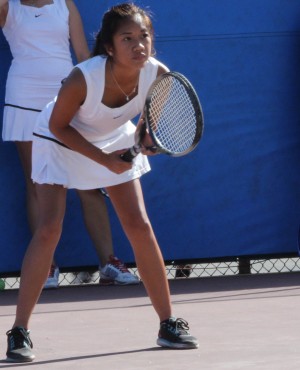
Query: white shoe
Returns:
{"type": "Point", "coordinates": [115, 272]}
{"type": "Point", "coordinates": [53, 278]}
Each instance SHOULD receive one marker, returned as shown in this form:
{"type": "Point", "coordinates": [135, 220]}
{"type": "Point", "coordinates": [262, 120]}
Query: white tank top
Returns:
{"type": "Point", "coordinates": [39, 40]}
{"type": "Point", "coordinates": [94, 120]}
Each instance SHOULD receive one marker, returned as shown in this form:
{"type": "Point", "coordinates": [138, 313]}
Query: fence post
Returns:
{"type": "Point", "coordinates": [244, 265]}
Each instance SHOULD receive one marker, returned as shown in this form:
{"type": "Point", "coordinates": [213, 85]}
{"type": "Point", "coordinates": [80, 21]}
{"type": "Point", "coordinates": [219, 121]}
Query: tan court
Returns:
{"type": "Point", "coordinates": [242, 322]}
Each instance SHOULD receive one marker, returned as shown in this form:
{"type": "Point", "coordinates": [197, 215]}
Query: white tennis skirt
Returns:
{"type": "Point", "coordinates": [25, 97]}
{"type": "Point", "coordinates": [18, 124]}
{"type": "Point", "coordinates": [52, 163]}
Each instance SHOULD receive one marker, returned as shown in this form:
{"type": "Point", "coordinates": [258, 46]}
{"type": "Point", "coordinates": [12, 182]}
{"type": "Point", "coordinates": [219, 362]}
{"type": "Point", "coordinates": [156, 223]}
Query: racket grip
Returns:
{"type": "Point", "coordinates": [136, 149]}
{"type": "Point", "coordinates": [130, 154]}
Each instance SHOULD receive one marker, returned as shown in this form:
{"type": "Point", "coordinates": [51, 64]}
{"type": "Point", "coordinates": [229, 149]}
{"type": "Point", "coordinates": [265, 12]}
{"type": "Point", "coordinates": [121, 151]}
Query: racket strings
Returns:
{"type": "Point", "coordinates": [172, 116]}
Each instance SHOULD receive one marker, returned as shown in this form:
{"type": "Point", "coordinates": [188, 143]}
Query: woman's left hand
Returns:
{"type": "Point", "coordinates": [147, 145]}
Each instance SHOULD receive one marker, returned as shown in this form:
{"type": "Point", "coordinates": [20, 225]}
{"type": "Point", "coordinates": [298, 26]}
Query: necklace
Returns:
{"type": "Point", "coordinates": [127, 96]}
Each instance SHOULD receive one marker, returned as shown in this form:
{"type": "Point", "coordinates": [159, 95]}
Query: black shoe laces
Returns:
{"type": "Point", "coordinates": [19, 338]}
{"type": "Point", "coordinates": [179, 326]}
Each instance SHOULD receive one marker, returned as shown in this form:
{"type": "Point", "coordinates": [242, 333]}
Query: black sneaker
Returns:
{"type": "Point", "coordinates": [174, 333]}
{"type": "Point", "coordinates": [19, 345]}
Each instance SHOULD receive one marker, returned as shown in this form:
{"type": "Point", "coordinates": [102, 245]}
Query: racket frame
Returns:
{"type": "Point", "coordinates": [158, 147]}
{"type": "Point", "coordinates": [198, 113]}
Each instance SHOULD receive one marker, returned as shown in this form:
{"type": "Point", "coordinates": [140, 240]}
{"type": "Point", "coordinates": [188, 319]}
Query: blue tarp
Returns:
{"type": "Point", "coordinates": [238, 193]}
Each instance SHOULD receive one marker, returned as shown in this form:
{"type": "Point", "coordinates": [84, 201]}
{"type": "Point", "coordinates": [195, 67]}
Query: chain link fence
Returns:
{"type": "Point", "coordinates": [177, 270]}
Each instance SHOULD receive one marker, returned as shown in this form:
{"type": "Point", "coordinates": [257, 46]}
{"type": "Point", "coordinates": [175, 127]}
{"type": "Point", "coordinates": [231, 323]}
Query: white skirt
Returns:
{"type": "Point", "coordinates": [52, 163]}
{"type": "Point", "coordinates": [25, 97]}
{"type": "Point", "coordinates": [18, 124]}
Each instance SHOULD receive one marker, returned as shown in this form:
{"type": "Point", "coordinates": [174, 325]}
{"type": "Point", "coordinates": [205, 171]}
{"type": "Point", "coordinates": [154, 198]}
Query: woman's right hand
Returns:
{"type": "Point", "coordinates": [115, 163]}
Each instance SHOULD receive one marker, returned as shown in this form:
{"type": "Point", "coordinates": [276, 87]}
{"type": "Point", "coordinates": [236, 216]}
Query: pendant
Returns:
{"type": "Point", "coordinates": [127, 98]}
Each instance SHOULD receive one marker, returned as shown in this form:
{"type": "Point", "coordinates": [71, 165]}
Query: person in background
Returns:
{"type": "Point", "coordinates": [39, 34]}
{"type": "Point", "coordinates": [112, 270]}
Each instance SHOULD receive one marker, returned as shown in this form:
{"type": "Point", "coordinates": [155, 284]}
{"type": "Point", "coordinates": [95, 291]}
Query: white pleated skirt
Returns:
{"type": "Point", "coordinates": [18, 124]}
{"type": "Point", "coordinates": [52, 163]}
{"type": "Point", "coordinates": [25, 97]}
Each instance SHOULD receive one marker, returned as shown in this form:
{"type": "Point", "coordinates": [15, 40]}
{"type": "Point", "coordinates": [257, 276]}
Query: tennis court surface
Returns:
{"type": "Point", "coordinates": [242, 322]}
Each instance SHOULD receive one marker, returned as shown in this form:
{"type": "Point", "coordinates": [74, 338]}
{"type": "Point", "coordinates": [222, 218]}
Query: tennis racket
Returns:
{"type": "Point", "coordinates": [172, 116]}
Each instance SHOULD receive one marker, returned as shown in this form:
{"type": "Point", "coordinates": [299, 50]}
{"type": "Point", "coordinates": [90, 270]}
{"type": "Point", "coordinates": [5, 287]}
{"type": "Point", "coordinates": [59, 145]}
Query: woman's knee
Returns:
{"type": "Point", "coordinates": [49, 231]}
{"type": "Point", "coordinates": [138, 225]}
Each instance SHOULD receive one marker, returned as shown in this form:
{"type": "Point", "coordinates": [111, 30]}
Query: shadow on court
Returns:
{"type": "Point", "coordinates": [77, 358]}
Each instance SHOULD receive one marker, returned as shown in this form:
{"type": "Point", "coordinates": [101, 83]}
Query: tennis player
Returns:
{"type": "Point", "coordinates": [78, 141]}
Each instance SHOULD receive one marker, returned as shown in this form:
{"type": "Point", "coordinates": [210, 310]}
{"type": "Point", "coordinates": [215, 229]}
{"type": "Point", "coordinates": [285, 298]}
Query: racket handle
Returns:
{"type": "Point", "coordinates": [130, 154]}
{"type": "Point", "coordinates": [136, 149]}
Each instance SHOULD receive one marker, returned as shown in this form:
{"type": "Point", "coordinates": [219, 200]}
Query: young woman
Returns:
{"type": "Point", "coordinates": [39, 34]}
{"type": "Point", "coordinates": [77, 143]}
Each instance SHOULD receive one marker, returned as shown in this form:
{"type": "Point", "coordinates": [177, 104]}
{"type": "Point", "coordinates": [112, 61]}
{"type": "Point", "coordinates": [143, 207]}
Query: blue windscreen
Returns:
{"type": "Point", "coordinates": [238, 193]}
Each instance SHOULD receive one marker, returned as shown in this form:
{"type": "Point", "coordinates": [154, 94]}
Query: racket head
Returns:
{"type": "Point", "coordinates": [173, 114]}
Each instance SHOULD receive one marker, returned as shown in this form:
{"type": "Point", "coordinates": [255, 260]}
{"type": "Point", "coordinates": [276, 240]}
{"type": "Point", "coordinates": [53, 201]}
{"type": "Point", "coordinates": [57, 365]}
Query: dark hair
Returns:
{"type": "Point", "coordinates": [111, 22]}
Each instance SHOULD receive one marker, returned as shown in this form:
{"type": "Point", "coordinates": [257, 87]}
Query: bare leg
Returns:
{"type": "Point", "coordinates": [97, 222]}
{"type": "Point", "coordinates": [38, 257]}
{"type": "Point", "coordinates": [129, 204]}
{"type": "Point", "coordinates": [24, 150]}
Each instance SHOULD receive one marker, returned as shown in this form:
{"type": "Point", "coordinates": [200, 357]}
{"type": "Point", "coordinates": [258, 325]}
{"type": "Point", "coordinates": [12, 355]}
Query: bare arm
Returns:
{"type": "Point", "coordinates": [72, 94]}
{"type": "Point", "coordinates": [77, 35]}
{"type": "Point", "coordinates": [3, 12]}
